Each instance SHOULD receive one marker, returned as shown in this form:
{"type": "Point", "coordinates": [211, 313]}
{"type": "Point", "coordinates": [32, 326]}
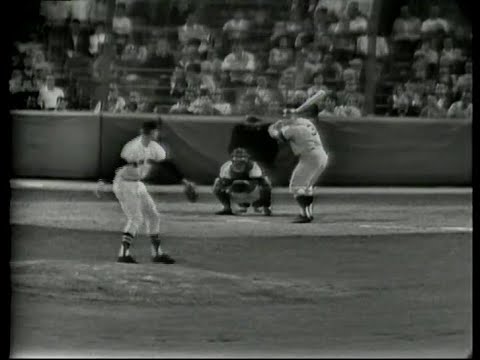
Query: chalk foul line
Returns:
{"type": "Point", "coordinates": [422, 228]}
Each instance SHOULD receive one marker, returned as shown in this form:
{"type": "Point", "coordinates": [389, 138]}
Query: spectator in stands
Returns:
{"type": "Point", "coordinates": [179, 11]}
{"type": "Point", "coordinates": [238, 27]}
{"type": "Point", "coordinates": [432, 110]}
{"type": "Point", "coordinates": [462, 34]}
{"type": "Point", "coordinates": [317, 85]}
{"type": "Point", "coordinates": [178, 82]}
{"type": "Point", "coordinates": [435, 25]}
{"type": "Point", "coordinates": [220, 105]}
{"type": "Point", "coordinates": [121, 27]}
{"type": "Point", "coordinates": [295, 24]}
{"type": "Point", "coordinates": [357, 67]}
{"type": "Point", "coordinates": [162, 58]}
{"type": "Point", "coordinates": [443, 96]}
{"type": "Point", "coordinates": [313, 63]}
{"type": "Point", "coordinates": [181, 107]}
{"type": "Point", "coordinates": [18, 98]}
{"type": "Point", "coordinates": [321, 22]}
{"type": "Point", "coordinates": [445, 77]}
{"type": "Point", "coordinates": [303, 45]}
{"type": "Point", "coordinates": [406, 28]}
{"type": "Point", "coordinates": [240, 64]}
{"type": "Point", "coordinates": [463, 108]}
{"type": "Point", "coordinates": [134, 54]}
{"type": "Point", "coordinates": [351, 91]}
{"type": "Point", "coordinates": [261, 25]}
{"type": "Point", "coordinates": [49, 95]}
{"type": "Point", "coordinates": [55, 11]}
{"type": "Point", "coordinates": [76, 42]}
{"type": "Point", "coordinates": [450, 55]}
{"type": "Point", "coordinates": [416, 94]}
{"type": "Point", "coordinates": [80, 9]}
{"type": "Point", "coordinates": [329, 104]}
{"type": "Point", "coordinates": [229, 92]}
{"type": "Point", "coordinates": [121, 24]}
{"type": "Point", "coordinates": [279, 29]}
{"type": "Point", "coordinates": [332, 71]}
{"type": "Point", "coordinates": [208, 78]}
{"type": "Point", "coordinates": [192, 30]}
{"type": "Point", "coordinates": [133, 100]}
{"type": "Point", "coordinates": [266, 100]}
{"type": "Point", "coordinates": [399, 102]}
{"type": "Point", "coordinates": [203, 104]}
{"type": "Point", "coordinates": [344, 42]}
{"type": "Point", "coordinates": [115, 102]}
{"type": "Point", "coordinates": [190, 54]}
{"type": "Point", "coordinates": [427, 53]}
{"type": "Point", "coordinates": [213, 62]}
{"type": "Point", "coordinates": [281, 56]}
{"type": "Point", "coordinates": [193, 79]}
{"type": "Point", "coordinates": [350, 108]}
{"type": "Point", "coordinates": [246, 103]}
{"type": "Point", "coordinates": [97, 39]}
{"type": "Point", "coordinates": [98, 11]}
{"type": "Point", "coordinates": [39, 61]}
{"type": "Point", "coordinates": [357, 21]}
{"type": "Point", "coordinates": [465, 81]}
{"type": "Point", "coordinates": [324, 42]}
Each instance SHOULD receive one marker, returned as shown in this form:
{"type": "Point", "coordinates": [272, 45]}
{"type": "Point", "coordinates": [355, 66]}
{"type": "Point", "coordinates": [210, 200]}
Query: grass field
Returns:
{"type": "Point", "coordinates": [379, 273]}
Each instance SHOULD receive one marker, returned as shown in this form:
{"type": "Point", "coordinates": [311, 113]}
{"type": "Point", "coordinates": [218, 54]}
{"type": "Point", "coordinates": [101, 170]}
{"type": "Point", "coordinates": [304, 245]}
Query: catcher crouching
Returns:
{"type": "Point", "coordinates": [242, 181]}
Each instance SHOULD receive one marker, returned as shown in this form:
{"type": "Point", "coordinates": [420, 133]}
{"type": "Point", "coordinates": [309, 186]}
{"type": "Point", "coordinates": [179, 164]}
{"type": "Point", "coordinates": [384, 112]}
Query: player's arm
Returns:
{"type": "Point", "coordinates": [160, 157]}
{"type": "Point", "coordinates": [257, 176]}
{"type": "Point", "coordinates": [224, 178]}
{"type": "Point", "coordinates": [276, 131]}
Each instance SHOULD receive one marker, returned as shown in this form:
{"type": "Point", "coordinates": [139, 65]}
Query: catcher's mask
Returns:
{"type": "Point", "coordinates": [240, 159]}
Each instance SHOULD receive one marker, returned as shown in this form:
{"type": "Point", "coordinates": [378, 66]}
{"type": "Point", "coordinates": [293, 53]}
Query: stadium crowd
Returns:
{"type": "Point", "coordinates": [260, 59]}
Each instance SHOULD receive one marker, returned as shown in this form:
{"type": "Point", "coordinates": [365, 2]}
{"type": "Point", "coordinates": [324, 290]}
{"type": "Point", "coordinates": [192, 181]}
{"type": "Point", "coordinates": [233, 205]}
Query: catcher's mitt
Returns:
{"type": "Point", "coordinates": [242, 186]}
{"type": "Point", "coordinates": [190, 191]}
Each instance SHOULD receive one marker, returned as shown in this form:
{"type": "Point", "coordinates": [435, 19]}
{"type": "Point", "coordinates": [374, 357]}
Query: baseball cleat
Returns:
{"type": "Point", "coordinates": [224, 212]}
{"type": "Point", "coordinates": [164, 258]}
{"type": "Point", "coordinates": [267, 211]}
{"type": "Point", "coordinates": [243, 208]}
{"type": "Point", "coordinates": [129, 259]}
{"type": "Point", "coordinates": [302, 220]}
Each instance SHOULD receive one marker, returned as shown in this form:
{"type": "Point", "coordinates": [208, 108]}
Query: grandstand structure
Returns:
{"type": "Point", "coordinates": [113, 65]}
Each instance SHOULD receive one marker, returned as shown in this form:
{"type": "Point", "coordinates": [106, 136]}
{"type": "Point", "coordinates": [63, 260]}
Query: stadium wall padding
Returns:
{"type": "Point", "coordinates": [55, 145]}
{"type": "Point", "coordinates": [366, 151]}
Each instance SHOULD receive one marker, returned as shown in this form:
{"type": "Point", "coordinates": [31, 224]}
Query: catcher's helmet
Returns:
{"type": "Point", "coordinates": [240, 154]}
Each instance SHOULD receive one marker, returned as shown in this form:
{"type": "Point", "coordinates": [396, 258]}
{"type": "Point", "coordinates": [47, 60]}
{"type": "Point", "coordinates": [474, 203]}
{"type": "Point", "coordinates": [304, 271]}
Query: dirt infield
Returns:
{"type": "Point", "coordinates": [377, 275]}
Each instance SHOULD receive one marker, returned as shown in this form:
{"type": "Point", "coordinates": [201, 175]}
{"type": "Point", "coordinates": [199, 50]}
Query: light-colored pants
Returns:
{"type": "Point", "coordinates": [307, 172]}
{"type": "Point", "coordinates": [138, 206]}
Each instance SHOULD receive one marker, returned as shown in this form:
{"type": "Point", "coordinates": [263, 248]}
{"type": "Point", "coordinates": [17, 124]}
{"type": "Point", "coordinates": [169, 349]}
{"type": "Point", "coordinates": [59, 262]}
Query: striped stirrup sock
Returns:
{"type": "Point", "coordinates": [127, 239]}
{"type": "Point", "coordinates": [156, 248]}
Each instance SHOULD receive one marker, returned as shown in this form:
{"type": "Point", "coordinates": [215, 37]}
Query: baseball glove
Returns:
{"type": "Point", "coordinates": [190, 191]}
{"type": "Point", "coordinates": [242, 186]}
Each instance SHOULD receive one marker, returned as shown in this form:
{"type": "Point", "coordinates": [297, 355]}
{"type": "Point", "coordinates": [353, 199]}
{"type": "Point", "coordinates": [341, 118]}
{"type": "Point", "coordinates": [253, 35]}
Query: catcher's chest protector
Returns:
{"type": "Point", "coordinates": [241, 175]}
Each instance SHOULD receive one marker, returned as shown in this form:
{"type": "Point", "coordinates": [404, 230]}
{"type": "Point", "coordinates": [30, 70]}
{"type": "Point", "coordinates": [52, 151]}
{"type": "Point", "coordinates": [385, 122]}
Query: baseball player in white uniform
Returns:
{"type": "Point", "coordinates": [137, 204]}
{"type": "Point", "coordinates": [303, 137]}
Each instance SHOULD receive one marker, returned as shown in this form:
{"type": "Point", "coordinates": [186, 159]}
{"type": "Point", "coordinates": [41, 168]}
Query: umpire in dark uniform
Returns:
{"type": "Point", "coordinates": [252, 135]}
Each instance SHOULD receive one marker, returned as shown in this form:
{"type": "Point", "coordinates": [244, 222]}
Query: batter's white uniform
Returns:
{"type": "Point", "coordinates": [136, 202]}
{"type": "Point", "coordinates": [305, 142]}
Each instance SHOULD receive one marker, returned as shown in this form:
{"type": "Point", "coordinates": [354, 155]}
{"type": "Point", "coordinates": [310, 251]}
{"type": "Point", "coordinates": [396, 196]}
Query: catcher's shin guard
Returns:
{"type": "Point", "coordinates": [265, 192]}
{"type": "Point", "coordinates": [220, 191]}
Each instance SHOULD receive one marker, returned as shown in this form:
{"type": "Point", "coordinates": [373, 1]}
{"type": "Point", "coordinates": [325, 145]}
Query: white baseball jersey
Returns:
{"type": "Point", "coordinates": [135, 151]}
{"type": "Point", "coordinates": [302, 136]}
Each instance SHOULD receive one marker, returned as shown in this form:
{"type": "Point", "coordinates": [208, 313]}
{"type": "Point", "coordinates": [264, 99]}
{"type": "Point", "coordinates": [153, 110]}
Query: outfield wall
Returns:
{"type": "Point", "coordinates": [365, 151]}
